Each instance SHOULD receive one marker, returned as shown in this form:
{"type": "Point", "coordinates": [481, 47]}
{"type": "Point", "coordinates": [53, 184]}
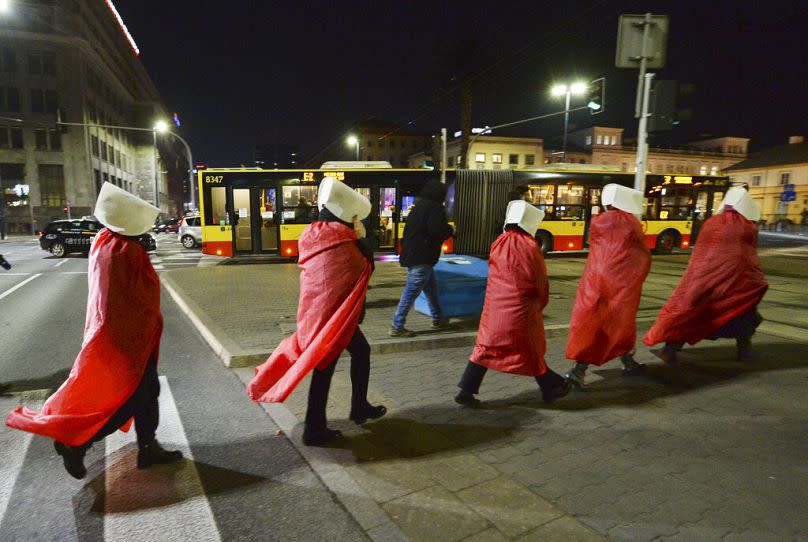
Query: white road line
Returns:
{"type": "Point", "coordinates": [15, 274]}
{"type": "Point", "coordinates": [13, 449]}
{"type": "Point", "coordinates": [18, 286]}
{"type": "Point", "coordinates": [60, 263]}
{"type": "Point", "coordinates": [164, 503]}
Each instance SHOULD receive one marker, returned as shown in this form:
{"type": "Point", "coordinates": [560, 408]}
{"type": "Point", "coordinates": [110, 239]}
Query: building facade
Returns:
{"type": "Point", "coordinates": [277, 156]}
{"type": "Point", "coordinates": [76, 59]}
{"type": "Point", "coordinates": [489, 152]}
{"type": "Point", "coordinates": [771, 173]}
{"type": "Point", "coordinates": [602, 145]}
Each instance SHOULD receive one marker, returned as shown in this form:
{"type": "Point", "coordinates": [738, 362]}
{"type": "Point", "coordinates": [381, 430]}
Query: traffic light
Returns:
{"type": "Point", "coordinates": [671, 104]}
{"type": "Point", "coordinates": [596, 101]}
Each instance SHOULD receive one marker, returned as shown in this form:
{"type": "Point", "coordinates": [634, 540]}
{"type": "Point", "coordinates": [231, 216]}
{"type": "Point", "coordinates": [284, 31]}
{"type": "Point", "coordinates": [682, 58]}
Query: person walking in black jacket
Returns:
{"type": "Point", "coordinates": [424, 233]}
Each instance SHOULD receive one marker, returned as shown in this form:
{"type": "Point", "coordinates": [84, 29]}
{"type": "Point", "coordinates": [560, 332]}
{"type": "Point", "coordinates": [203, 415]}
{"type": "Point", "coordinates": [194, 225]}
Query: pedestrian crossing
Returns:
{"type": "Point", "coordinates": [166, 502]}
{"type": "Point", "coordinates": [170, 254]}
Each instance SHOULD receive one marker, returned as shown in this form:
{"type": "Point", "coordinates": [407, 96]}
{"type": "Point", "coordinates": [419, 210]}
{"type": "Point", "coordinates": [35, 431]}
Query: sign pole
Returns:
{"type": "Point", "coordinates": [642, 135]}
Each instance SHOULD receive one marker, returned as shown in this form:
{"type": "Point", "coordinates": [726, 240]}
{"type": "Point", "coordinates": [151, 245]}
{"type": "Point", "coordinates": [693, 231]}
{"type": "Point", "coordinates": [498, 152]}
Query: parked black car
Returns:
{"type": "Point", "coordinates": [64, 236]}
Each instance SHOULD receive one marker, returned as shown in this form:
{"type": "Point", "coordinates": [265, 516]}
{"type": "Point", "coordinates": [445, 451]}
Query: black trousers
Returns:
{"type": "Point", "coordinates": [321, 382]}
{"type": "Point", "coordinates": [474, 374]}
{"type": "Point", "coordinates": [142, 405]}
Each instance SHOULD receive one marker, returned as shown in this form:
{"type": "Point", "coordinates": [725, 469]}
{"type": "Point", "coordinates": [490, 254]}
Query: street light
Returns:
{"type": "Point", "coordinates": [5, 6]}
{"type": "Point", "coordinates": [577, 89]}
{"type": "Point", "coordinates": [161, 126]}
{"type": "Point", "coordinates": [353, 140]}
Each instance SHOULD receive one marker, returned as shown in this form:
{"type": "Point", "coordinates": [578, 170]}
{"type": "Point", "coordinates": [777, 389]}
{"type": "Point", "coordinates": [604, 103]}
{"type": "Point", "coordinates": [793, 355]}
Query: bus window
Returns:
{"type": "Point", "coordinates": [675, 204]}
{"type": "Point", "coordinates": [217, 214]}
{"type": "Point", "coordinates": [718, 197]}
{"type": "Point", "coordinates": [594, 201]}
{"type": "Point", "coordinates": [542, 196]}
{"type": "Point", "coordinates": [299, 204]}
{"type": "Point", "coordinates": [364, 191]}
{"type": "Point", "coordinates": [701, 203]}
{"type": "Point", "coordinates": [570, 202]}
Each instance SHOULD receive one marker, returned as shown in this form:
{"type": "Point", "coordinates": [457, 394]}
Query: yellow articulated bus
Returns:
{"type": "Point", "coordinates": [254, 211]}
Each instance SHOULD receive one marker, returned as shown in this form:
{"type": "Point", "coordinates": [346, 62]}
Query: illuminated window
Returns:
{"type": "Point", "coordinates": [479, 157]}
{"type": "Point", "coordinates": [714, 170]}
{"type": "Point", "coordinates": [614, 140]}
{"type": "Point", "coordinates": [569, 204]}
{"type": "Point", "coordinates": [599, 139]}
{"type": "Point", "coordinates": [784, 178]}
{"type": "Point", "coordinates": [530, 159]}
{"type": "Point", "coordinates": [299, 204]}
{"type": "Point", "coordinates": [496, 158]}
{"type": "Point", "coordinates": [755, 180]}
{"type": "Point", "coordinates": [703, 170]}
{"type": "Point", "coordinates": [589, 140]}
{"type": "Point", "coordinates": [459, 159]}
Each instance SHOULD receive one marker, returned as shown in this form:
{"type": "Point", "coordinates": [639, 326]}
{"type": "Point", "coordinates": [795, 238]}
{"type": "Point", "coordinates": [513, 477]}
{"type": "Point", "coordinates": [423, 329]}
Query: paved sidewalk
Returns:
{"type": "Point", "coordinates": [710, 450]}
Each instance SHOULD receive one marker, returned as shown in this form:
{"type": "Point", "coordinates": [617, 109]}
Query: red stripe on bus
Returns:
{"type": "Point", "coordinates": [218, 248]}
{"type": "Point", "coordinates": [568, 242]}
{"type": "Point", "coordinates": [289, 248]}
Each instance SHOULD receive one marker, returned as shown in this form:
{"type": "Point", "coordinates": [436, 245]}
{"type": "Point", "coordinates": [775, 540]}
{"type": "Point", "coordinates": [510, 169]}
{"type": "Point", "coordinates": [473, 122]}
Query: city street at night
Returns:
{"type": "Point", "coordinates": [629, 459]}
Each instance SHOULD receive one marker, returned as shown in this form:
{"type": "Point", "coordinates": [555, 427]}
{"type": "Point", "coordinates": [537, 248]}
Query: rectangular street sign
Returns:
{"type": "Point", "coordinates": [630, 37]}
{"type": "Point", "coordinates": [788, 196]}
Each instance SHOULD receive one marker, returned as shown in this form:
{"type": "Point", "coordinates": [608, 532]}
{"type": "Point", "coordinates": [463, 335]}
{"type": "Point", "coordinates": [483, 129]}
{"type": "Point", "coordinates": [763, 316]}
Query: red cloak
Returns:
{"type": "Point", "coordinates": [722, 282]}
{"type": "Point", "coordinates": [121, 334]}
{"type": "Point", "coordinates": [510, 338]}
{"type": "Point", "coordinates": [334, 276]}
{"type": "Point", "coordinates": [604, 316]}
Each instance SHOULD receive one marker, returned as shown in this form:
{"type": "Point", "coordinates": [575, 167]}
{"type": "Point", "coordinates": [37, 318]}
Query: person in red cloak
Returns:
{"type": "Point", "coordinates": [336, 265]}
{"type": "Point", "coordinates": [510, 338]}
{"type": "Point", "coordinates": [718, 295]}
{"type": "Point", "coordinates": [604, 315]}
{"type": "Point", "coordinates": [114, 377]}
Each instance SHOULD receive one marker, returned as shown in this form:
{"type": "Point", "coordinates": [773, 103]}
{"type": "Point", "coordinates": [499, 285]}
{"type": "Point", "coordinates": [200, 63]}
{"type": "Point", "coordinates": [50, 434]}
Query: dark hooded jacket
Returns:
{"type": "Point", "coordinates": [426, 228]}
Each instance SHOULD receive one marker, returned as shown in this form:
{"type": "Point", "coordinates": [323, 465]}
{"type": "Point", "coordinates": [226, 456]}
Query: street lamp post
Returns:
{"type": "Point", "coordinates": [353, 140]}
{"type": "Point", "coordinates": [568, 91]}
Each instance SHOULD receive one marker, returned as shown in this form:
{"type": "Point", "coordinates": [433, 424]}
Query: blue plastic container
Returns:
{"type": "Point", "coordinates": [461, 286]}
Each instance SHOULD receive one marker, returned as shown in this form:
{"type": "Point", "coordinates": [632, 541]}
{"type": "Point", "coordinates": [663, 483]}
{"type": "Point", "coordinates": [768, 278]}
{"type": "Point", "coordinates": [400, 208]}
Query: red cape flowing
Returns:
{"type": "Point", "coordinates": [510, 338]}
{"type": "Point", "coordinates": [334, 279]}
{"type": "Point", "coordinates": [121, 334]}
{"type": "Point", "coordinates": [722, 282]}
{"type": "Point", "coordinates": [604, 317]}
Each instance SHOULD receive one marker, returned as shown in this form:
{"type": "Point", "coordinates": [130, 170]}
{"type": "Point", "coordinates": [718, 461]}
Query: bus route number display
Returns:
{"type": "Point", "coordinates": [308, 176]}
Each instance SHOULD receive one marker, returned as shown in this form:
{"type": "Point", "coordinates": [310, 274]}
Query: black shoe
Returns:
{"type": "Point", "coordinates": [466, 398]}
{"type": "Point", "coordinates": [443, 323]}
{"type": "Point", "coordinates": [556, 392]}
{"type": "Point", "coordinates": [630, 366]}
{"type": "Point", "coordinates": [403, 332]}
{"type": "Point", "coordinates": [73, 457]}
{"type": "Point", "coordinates": [319, 437]}
{"type": "Point", "coordinates": [575, 380]}
{"type": "Point", "coordinates": [368, 412]}
{"type": "Point", "coordinates": [154, 454]}
{"type": "Point", "coordinates": [668, 354]}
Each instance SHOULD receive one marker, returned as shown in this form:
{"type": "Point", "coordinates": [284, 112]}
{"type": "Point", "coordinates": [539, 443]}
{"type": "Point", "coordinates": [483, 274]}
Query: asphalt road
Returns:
{"type": "Point", "coordinates": [244, 481]}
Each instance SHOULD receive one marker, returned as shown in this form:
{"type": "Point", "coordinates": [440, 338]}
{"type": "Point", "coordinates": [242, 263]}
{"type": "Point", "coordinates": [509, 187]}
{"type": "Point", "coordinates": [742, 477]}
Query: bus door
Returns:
{"type": "Point", "coordinates": [255, 229]}
{"type": "Point", "coordinates": [591, 211]}
{"type": "Point", "coordinates": [388, 218]}
{"type": "Point", "coordinates": [570, 211]}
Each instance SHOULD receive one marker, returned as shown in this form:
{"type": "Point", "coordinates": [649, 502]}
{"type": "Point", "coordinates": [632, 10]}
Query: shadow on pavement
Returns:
{"type": "Point", "coordinates": [50, 382]}
{"type": "Point", "coordinates": [700, 366]}
{"type": "Point", "coordinates": [132, 489]}
{"type": "Point", "coordinates": [404, 435]}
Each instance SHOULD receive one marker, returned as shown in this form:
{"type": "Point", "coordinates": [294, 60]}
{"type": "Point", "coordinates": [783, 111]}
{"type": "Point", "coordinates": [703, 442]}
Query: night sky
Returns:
{"type": "Point", "coordinates": [242, 73]}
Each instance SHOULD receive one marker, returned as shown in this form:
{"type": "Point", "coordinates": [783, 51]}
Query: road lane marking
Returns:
{"type": "Point", "coordinates": [18, 286]}
{"type": "Point", "coordinates": [13, 449]}
{"type": "Point", "coordinates": [162, 502]}
{"type": "Point", "coordinates": [60, 263]}
{"type": "Point", "coordinates": [15, 274]}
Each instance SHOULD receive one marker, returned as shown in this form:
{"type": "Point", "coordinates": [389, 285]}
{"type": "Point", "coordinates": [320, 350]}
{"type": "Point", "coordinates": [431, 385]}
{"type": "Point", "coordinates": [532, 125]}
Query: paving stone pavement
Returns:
{"type": "Point", "coordinates": [711, 449]}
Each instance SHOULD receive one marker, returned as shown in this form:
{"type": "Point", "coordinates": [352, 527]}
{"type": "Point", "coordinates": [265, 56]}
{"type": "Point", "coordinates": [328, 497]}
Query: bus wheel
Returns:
{"type": "Point", "coordinates": [545, 241]}
{"type": "Point", "coordinates": [666, 241]}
